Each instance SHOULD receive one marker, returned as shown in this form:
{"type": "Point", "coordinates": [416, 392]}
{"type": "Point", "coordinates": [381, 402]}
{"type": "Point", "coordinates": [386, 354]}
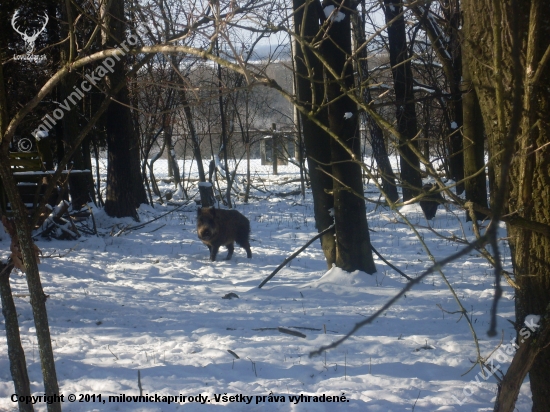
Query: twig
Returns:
{"type": "Point", "coordinates": [288, 259]}
{"type": "Point", "coordinates": [93, 219]}
{"type": "Point", "coordinates": [389, 264]}
{"type": "Point", "coordinates": [112, 352]}
{"type": "Point", "coordinates": [160, 227]}
{"type": "Point", "coordinates": [415, 401]}
{"type": "Point", "coordinates": [253, 366]}
{"type": "Point", "coordinates": [61, 255]}
{"type": "Point", "coordinates": [136, 227]}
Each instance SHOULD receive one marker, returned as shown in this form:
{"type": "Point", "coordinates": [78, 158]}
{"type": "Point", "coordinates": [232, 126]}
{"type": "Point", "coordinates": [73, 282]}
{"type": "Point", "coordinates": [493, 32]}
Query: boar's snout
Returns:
{"type": "Point", "coordinates": [205, 234]}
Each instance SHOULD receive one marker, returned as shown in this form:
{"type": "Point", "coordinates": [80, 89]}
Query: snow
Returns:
{"type": "Point", "coordinates": [348, 115]}
{"type": "Point", "coordinates": [423, 89]}
{"type": "Point", "coordinates": [332, 16]}
{"type": "Point", "coordinates": [41, 134]}
{"type": "Point", "coordinates": [219, 165]}
{"type": "Point", "coordinates": [531, 320]}
{"type": "Point", "coordinates": [149, 300]}
{"type": "Point", "coordinates": [454, 125]}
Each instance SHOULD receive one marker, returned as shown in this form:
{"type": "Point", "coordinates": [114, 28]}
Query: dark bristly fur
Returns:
{"type": "Point", "coordinates": [220, 227]}
{"type": "Point", "coordinates": [431, 201]}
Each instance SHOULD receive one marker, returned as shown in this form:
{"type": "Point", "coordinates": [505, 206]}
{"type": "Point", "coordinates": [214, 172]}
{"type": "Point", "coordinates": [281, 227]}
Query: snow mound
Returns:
{"type": "Point", "coordinates": [338, 279]}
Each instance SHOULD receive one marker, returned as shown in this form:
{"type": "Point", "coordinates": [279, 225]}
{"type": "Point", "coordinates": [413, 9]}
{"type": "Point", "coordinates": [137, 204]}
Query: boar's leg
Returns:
{"type": "Point", "coordinates": [213, 251]}
{"type": "Point", "coordinates": [246, 247]}
{"type": "Point", "coordinates": [230, 249]}
{"type": "Point", "coordinates": [242, 241]}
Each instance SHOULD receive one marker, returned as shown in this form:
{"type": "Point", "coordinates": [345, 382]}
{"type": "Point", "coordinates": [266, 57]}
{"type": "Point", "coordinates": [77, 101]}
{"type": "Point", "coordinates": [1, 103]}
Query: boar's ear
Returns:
{"type": "Point", "coordinates": [198, 211]}
{"type": "Point", "coordinates": [212, 211]}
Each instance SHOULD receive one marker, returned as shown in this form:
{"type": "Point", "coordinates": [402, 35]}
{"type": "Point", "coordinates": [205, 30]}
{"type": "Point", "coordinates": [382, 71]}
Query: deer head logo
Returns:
{"type": "Point", "coordinates": [30, 39]}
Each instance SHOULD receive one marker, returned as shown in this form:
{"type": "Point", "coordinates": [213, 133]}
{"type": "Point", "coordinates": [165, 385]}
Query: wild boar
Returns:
{"type": "Point", "coordinates": [220, 227]}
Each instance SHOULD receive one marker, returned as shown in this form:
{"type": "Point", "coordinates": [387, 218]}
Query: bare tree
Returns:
{"type": "Point", "coordinates": [506, 45]}
{"type": "Point", "coordinates": [404, 98]}
{"type": "Point", "coordinates": [125, 190]}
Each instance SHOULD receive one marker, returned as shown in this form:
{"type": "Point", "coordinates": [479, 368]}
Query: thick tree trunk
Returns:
{"type": "Point", "coordinates": [404, 99]}
{"type": "Point", "coordinates": [125, 190]}
{"type": "Point", "coordinates": [353, 250]}
{"type": "Point", "coordinates": [310, 92]}
{"type": "Point", "coordinates": [497, 69]}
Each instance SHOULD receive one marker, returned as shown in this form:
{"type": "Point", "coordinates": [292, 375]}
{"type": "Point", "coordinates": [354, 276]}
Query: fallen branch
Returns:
{"type": "Point", "coordinates": [285, 194]}
{"type": "Point", "coordinates": [291, 332]}
{"type": "Point", "coordinates": [56, 224]}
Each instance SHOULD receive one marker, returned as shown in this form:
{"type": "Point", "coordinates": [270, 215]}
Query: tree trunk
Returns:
{"type": "Point", "coordinates": [81, 185]}
{"type": "Point", "coordinates": [193, 134]}
{"type": "Point", "coordinates": [223, 124]}
{"type": "Point", "coordinates": [376, 135]}
{"type": "Point", "coordinates": [474, 150]}
{"type": "Point", "coordinates": [456, 162]}
{"type": "Point", "coordinates": [445, 41]}
{"type": "Point", "coordinates": [125, 190]}
{"type": "Point", "coordinates": [18, 364]}
{"type": "Point", "coordinates": [353, 251]}
{"type": "Point", "coordinates": [404, 99]}
{"type": "Point", "coordinates": [498, 65]}
{"type": "Point", "coordinates": [171, 154]}
{"type": "Point", "coordinates": [206, 192]}
{"type": "Point", "coordinates": [23, 230]}
{"type": "Point", "coordinates": [310, 92]}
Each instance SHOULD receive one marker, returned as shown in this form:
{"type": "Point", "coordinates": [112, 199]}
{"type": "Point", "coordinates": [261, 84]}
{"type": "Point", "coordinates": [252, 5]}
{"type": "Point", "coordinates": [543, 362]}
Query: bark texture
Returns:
{"type": "Point", "coordinates": [404, 98]}
{"type": "Point", "coordinates": [18, 364]}
{"type": "Point", "coordinates": [23, 230]}
{"type": "Point", "coordinates": [353, 251]}
{"type": "Point", "coordinates": [377, 141]}
{"type": "Point", "coordinates": [125, 190]}
{"type": "Point", "coordinates": [507, 45]}
{"type": "Point", "coordinates": [474, 146]}
{"type": "Point", "coordinates": [310, 91]}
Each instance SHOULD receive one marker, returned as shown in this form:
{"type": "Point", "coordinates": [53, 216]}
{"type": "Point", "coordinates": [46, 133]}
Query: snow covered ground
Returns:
{"type": "Point", "coordinates": [150, 300]}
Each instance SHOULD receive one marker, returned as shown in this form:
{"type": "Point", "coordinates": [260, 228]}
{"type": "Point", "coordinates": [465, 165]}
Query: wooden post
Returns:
{"type": "Point", "coordinates": [275, 148]}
